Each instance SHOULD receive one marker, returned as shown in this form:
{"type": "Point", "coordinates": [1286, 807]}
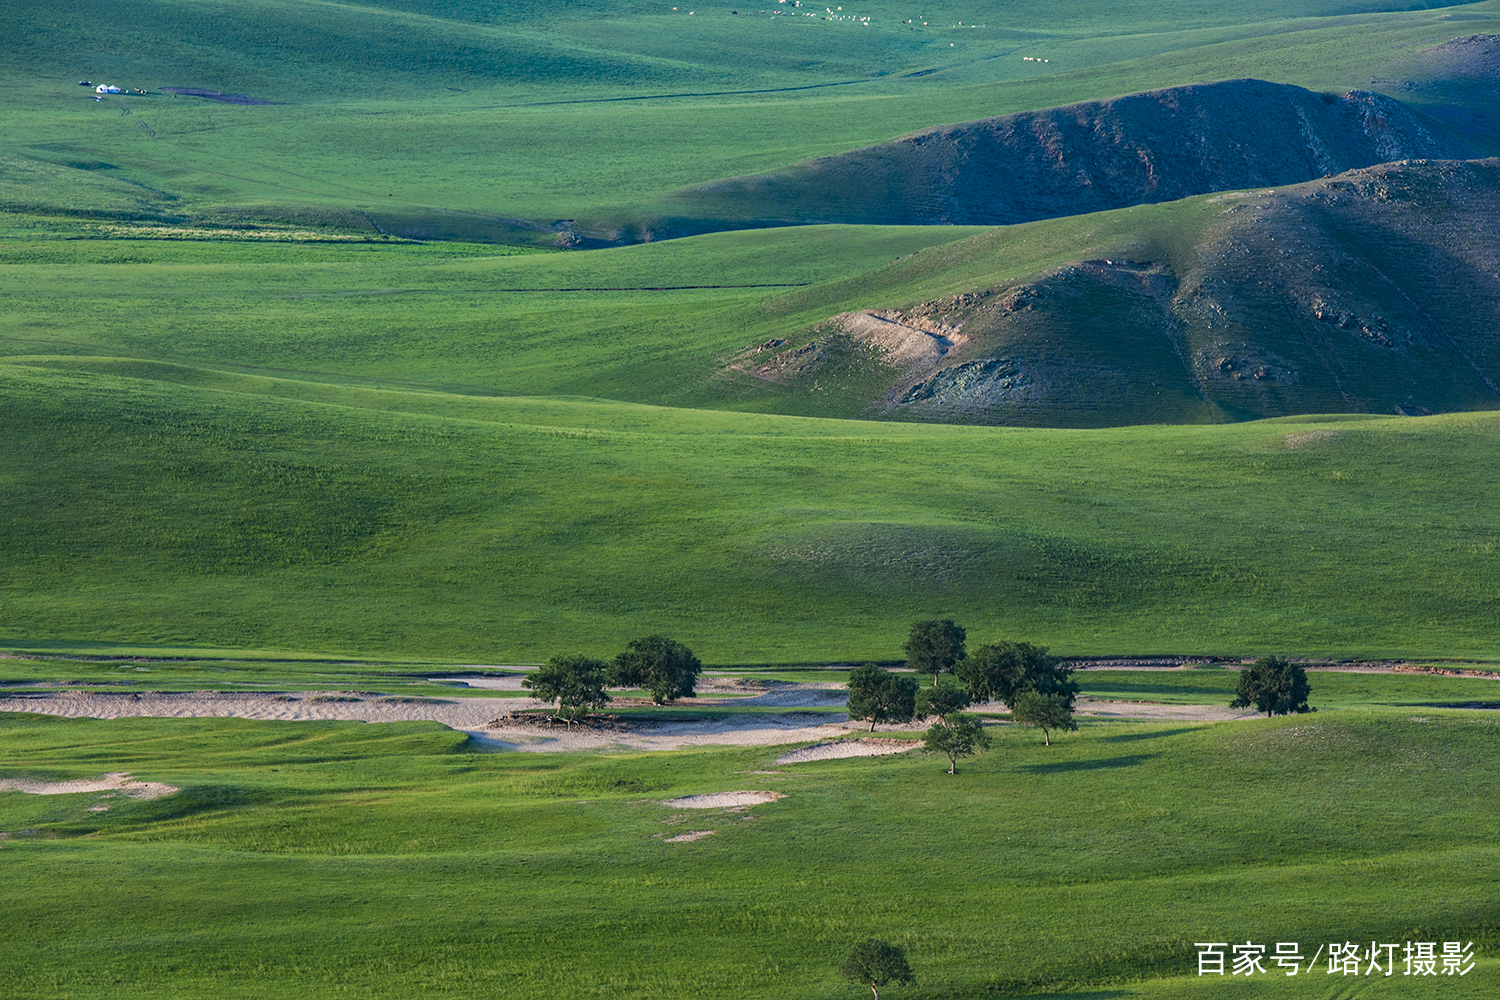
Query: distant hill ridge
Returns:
{"type": "Point", "coordinates": [1157, 146]}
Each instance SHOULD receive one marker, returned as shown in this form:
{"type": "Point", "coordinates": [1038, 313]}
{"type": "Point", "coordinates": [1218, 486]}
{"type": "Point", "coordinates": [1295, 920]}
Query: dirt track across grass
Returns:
{"type": "Point", "coordinates": [498, 723]}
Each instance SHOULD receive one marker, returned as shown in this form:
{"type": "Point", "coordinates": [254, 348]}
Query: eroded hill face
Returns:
{"type": "Point", "coordinates": [1377, 290]}
{"type": "Point", "coordinates": [1140, 149]}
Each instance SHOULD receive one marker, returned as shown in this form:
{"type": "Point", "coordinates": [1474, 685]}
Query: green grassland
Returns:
{"type": "Point", "coordinates": [149, 504]}
{"type": "Point", "coordinates": [161, 672]}
{"type": "Point", "coordinates": [650, 323]}
{"type": "Point", "coordinates": [1091, 866]}
{"type": "Point", "coordinates": [680, 322]}
{"type": "Point", "coordinates": [307, 395]}
{"type": "Point", "coordinates": [454, 121]}
{"type": "Point", "coordinates": [1331, 688]}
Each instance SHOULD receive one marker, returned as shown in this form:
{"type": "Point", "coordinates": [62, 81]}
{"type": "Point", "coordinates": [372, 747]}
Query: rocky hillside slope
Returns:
{"type": "Point", "coordinates": [1376, 290]}
{"type": "Point", "coordinates": [1090, 157]}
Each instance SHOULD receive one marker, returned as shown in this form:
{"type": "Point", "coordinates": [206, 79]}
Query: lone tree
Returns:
{"type": "Point", "coordinates": [663, 666]}
{"type": "Point", "coordinates": [956, 736]}
{"type": "Point", "coordinates": [1274, 686]}
{"type": "Point", "coordinates": [881, 696]}
{"type": "Point", "coordinates": [877, 963]}
{"type": "Point", "coordinates": [1044, 711]}
{"type": "Point", "coordinates": [999, 671]}
{"type": "Point", "coordinates": [933, 647]}
{"type": "Point", "coordinates": [943, 700]}
{"type": "Point", "coordinates": [576, 683]}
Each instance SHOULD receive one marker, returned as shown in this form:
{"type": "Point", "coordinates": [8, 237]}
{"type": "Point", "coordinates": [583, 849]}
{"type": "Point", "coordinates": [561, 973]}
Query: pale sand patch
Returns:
{"type": "Point", "coordinates": [904, 342]}
{"type": "Point", "coordinates": [483, 683]}
{"type": "Point", "coordinates": [1307, 439]}
{"type": "Point", "coordinates": [469, 715]}
{"type": "Point", "coordinates": [304, 706]}
{"type": "Point", "coordinates": [723, 800]}
{"type": "Point", "coordinates": [683, 838]}
{"type": "Point", "coordinates": [847, 748]}
{"type": "Point", "coordinates": [476, 715]}
{"type": "Point", "coordinates": [119, 781]}
{"type": "Point", "coordinates": [788, 696]}
{"type": "Point", "coordinates": [740, 731]}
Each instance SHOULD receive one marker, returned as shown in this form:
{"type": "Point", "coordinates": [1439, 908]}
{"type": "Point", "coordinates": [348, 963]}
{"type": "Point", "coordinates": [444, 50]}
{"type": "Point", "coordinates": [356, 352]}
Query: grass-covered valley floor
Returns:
{"type": "Point", "coordinates": [1092, 865]}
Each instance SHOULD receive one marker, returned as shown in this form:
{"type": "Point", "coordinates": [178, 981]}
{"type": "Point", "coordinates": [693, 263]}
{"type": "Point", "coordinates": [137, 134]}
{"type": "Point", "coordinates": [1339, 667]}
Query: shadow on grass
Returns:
{"type": "Point", "coordinates": [1090, 765]}
{"type": "Point", "coordinates": [1091, 995]}
{"type": "Point", "coordinates": [1132, 737]}
{"type": "Point", "coordinates": [1117, 689]}
{"type": "Point", "coordinates": [196, 800]}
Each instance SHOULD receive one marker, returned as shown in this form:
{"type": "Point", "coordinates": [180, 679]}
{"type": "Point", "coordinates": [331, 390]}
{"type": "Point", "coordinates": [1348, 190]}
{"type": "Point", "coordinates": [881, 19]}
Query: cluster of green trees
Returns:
{"type": "Point", "coordinates": [656, 663]}
{"type": "Point", "coordinates": [1037, 687]}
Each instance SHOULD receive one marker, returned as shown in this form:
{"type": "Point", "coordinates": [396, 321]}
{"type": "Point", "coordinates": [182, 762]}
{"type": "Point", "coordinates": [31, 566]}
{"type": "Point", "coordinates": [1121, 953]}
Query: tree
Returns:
{"type": "Point", "coordinates": [999, 671]}
{"type": "Point", "coordinates": [945, 699]}
{"type": "Point", "coordinates": [933, 647]}
{"type": "Point", "coordinates": [663, 666]}
{"type": "Point", "coordinates": [576, 683]}
{"type": "Point", "coordinates": [877, 963]}
{"type": "Point", "coordinates": [1274, 686]}
{"type": "Point", "coordinates": [881, 696]}
{"type": "Point", "coordinates": [956, 736]}
{"type": "Point", "coordinates": [1044, 711]}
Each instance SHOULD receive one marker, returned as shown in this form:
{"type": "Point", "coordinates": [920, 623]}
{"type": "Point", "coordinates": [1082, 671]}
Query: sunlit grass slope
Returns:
{"type": "Point", "coordinates": [1091, 866]}
{"type": "Point", "coordinates": [298, 49]}
{"type": "Point", "coordinates": [152, 504]}
{"type": "Point", "coordinates": [649, 323]}
{"type": "Point", "coordinates": [442, 120]}
{"type": "Point", "coordinates": [1215, 685]}
{"type": "Point", "coordinates": [1365, 292]}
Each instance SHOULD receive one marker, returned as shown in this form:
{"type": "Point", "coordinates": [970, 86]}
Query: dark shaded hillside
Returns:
{"type": "Point", "coordinates": [1144, 148]}
{"type": "Point", "coordinates": [1377, 290]}
{"type": "Point", "coordinates": [1457, 83]}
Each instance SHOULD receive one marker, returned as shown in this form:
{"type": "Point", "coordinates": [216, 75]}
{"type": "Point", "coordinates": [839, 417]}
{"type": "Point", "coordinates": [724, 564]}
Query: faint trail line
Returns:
{"type": "Point", "coordinates": [706, 93]}
{"type": "Point", "coordinates": [471, 291]}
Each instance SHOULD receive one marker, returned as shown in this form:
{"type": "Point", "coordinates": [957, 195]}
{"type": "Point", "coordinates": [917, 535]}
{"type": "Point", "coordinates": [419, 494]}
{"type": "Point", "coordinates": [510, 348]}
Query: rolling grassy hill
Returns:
{"type": "Point", "coordinates": [1153, 147]}
{"type": "Point", "coordinates": [1364, 292]}
{"type": "Point", "coordinates": [455, 121]}
{"type": "Point", "coordinates": [1372, 291]}
{"type": "Point", "coordinates": [156, 505]}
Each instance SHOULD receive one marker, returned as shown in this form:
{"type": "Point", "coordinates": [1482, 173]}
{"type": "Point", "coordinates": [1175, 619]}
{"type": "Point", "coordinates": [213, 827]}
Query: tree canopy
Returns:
{"type": "Point", "coordinates": [1274, 686]}
{"type": "Point", "coordinates": [998, 671]}
{"type": "Point", "coordinates": [956, 736]}
{"type": "Point", "coordinates": [876, 963]}
{"type": "Point", "coordinates": [576, 683]}
{"type": "Point", "coordinates": [941, 700]}
{"type": "Point", "coordinates": [934, 647]}
{"type": "Point", "coordinates": [1044, 711]}
{"type": "Point", "coordinates": [881, 696]}
{"type": "Point", "coordinates": [663, 666]}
